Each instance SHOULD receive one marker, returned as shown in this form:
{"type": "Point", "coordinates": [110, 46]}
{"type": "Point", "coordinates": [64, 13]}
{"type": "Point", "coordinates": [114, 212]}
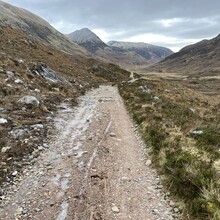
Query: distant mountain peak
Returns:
{"type": "Point", "coordinates": [143, 49]}
{"type": "Point", "coordinates": [85, 37]}
{"type": "Point", "coordinates": [122, 53]}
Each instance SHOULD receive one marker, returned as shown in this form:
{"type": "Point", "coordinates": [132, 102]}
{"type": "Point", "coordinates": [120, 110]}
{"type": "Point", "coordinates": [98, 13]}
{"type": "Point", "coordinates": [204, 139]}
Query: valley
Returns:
{"type": "Point", "coordinates": [94, 130]}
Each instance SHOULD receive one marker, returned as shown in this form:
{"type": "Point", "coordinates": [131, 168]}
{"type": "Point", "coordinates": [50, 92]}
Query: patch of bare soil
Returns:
{"type": "Point", "coordinates": [95, 167]}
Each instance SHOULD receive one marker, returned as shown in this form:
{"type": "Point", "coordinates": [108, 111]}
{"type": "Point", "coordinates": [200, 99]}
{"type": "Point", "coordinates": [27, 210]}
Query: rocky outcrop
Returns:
{"type": "Point", "coordinates": [29, 100]}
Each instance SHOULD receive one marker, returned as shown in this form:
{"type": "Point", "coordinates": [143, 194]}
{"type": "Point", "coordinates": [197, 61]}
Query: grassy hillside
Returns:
{"type": "Point", "coordinates": [200, 59]}
{"type": "Point", "coordinates": [182, 130]}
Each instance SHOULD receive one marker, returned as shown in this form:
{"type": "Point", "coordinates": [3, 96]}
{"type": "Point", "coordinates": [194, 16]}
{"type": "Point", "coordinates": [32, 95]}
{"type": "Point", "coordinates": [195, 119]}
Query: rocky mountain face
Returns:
{"type": "Point", "coordinates": [87, 39]}
{"type": "Point", "coordinates": [145, 50]}
{"type": "Point", "coordinates": [200, 58]}
{"type": "Point", "coordinates": [127, 55]}
{"type": "Point", "coordinates": [38, 28]}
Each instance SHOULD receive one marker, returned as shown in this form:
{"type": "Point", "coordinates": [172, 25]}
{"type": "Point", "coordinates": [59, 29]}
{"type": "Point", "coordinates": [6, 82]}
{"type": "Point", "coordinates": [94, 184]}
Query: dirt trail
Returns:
{"type": "Point", "coordinates": [95, 168]}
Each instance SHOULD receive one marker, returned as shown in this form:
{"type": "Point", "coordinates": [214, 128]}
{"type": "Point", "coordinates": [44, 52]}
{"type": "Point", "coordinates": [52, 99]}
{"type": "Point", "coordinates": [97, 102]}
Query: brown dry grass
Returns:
{"type": "Point", "coordinates": [189, 163]}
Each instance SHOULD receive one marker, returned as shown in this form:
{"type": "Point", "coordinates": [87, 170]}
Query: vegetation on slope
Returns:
{"type": "Point", "coordinates": [182, 132]}
{"type": "Point", "coordinates": [200, 59]}
{"type": "Point", "coordinates": [23, 61]}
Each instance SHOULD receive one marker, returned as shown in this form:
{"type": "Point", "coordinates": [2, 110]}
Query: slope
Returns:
{"type": "Point", "coordinates": [200, 58]}
{"type": "Point", "coordinates": [148, 51]}
{"type": "Point", "coordinates": [30, 68]}
{"type": "Point", "coordinates": [36, 27]}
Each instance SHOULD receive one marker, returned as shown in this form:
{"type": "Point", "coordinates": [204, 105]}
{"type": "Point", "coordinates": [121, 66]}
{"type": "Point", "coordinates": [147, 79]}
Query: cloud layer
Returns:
{"type": "Point", "coordinates": [168, 23]}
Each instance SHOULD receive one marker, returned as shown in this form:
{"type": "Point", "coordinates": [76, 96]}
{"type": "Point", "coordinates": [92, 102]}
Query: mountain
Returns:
{"type": "Point", "coordinates": [36, 27]}
{"type": "Point", "coordinates": [199, 58]}
{"type": "Point", "coordinates": [92, 43]}
{"type": "Point", "coordinates": [148, 51]}
{"type": "Point", "coordinates": [133, 56]}
{"type": "Point", "coordinates": [87, 39]}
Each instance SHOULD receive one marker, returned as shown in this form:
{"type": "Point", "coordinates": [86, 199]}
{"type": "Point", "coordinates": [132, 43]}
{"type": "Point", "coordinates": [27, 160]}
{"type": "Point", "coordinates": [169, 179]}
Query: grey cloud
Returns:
{"type": "Point", "coordinates": [199, 17]}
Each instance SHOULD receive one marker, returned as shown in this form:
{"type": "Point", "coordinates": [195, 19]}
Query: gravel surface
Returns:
{"type": "Point", "coordinates": [93, 167]}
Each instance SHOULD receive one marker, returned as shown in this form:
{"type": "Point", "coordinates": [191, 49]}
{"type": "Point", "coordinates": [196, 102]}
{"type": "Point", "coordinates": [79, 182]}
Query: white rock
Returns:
{"type": "Point", "coordinates": [124, 178]}
{"type": "Point", "coordinates": [148, 163]}
{"type": "Point", "coordinates": [29, 100]}
{"type": "Point", "coordinates": [56, 89]}
{"type": "Point", "coordinates": [10, 74]}
{"type": "Point", "coordinates": [18, 81]}
{"type": "Point", "coordinates": [19, 210]}
{"type": "Point", "coordinates": [37, 90]}
{"type": "Point", "coordinates": [3, 121]}
{"type": "Point", "coordinates": [40, 148]}
{"type": "Point", "coordinates": [37, 126]}
{"type": "Point", "coordinates": [5, 149]}
{"type": "Point", "coordinates": [15, 173]}
{"type": "Point", "coordinates": [192, 110]}
{"type": "Point", "coordinates": [176, 210]}
{"type": "Point", "coordinates": [20, 61]}
{"type": "Point", "coordinates": [115, 209]}
{"type": "Point", "coordinates": [197, 132]}
{"type": "Point", "coordinates": [45, 145]}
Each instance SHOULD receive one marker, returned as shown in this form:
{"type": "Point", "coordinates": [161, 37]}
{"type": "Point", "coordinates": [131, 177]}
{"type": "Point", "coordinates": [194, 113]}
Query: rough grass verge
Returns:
{"type": "Point", "coordinates": [186, 161]}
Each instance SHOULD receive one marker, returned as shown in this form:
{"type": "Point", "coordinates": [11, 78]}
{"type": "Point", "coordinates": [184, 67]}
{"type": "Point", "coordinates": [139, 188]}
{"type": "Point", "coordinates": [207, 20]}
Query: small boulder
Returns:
{"type": "Point", "coordinates": [18, 81]}
{"type": "Point", "coordinates": [156, 98]}
{"type": "Point", "coordinates": [3, 121]}
{"type": "Point", "coordinates": [29, 100]}
{"type": "Point", "coordinates": [10, 74]}
{"type": "Point", "coordinates": [17, 133]}
{"type": "Point", "coordinates": [5, 149]}
{"type": "Point", "coordinates": [148, 162]}
{"type": "Point", "coordinates": [37, 90]}
{"type": "Point", "coordinates": [115, 209]}
{"type": "Point", "coordinates": [197, 132]}
{"type": "Point", "coordinates": [15, 173]}
{"type": "Point", "coordinates": [37, 127]}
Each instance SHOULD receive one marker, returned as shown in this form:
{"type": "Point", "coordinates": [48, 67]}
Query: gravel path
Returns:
{"type": "Point", "coordinates": [95, 167]}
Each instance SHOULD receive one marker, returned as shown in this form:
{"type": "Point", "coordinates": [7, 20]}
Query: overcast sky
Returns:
{"type": "Point", "coordinates": [170, 23]}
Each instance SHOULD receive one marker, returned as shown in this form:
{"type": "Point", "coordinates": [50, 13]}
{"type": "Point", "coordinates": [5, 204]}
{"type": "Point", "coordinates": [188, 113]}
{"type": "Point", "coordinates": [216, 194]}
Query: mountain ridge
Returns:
{"type": "Point", "coordinates": [201, 57]}
{"type": "Point", "coordinates": [143, 49]}
{"type": "Point", "coordinates": [125, 56]}
{"type": "Point", "coordinates": [37, 27]}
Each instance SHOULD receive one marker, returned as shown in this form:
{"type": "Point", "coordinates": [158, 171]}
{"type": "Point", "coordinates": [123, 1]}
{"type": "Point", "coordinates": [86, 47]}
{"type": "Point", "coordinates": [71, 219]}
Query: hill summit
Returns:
{"type": "Point", "coordinates": [86, 38]}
